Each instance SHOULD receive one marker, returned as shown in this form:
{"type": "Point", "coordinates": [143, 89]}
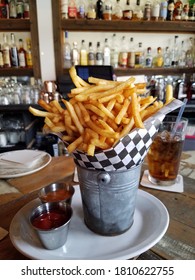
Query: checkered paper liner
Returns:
{"type": "Point", "coordinates": [131, 149]}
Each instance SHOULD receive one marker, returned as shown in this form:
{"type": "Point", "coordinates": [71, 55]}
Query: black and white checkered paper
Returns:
{"type": "Point", "coordinates": [131, 149]}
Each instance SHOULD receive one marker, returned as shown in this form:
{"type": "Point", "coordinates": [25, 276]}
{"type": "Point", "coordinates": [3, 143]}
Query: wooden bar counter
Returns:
{"type": "Point", "coordinates": [177, 243]}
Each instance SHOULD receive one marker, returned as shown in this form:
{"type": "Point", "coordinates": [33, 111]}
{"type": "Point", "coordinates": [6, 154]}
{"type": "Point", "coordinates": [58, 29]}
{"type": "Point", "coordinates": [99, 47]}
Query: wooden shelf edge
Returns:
{"type": "Point", "coordinates": [16, 72]}
{"type": "Point", "coordinates": [15, 25]}
{"type": "Point", "coordinates": [149, 71]}
{"type": "Point", "coordinates": [153, 71]}
{"type": "Point", "coordinates": [125, 25]}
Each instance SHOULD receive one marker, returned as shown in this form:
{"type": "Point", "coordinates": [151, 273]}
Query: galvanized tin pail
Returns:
{"type": "Point", "coordinates": [109, 199]}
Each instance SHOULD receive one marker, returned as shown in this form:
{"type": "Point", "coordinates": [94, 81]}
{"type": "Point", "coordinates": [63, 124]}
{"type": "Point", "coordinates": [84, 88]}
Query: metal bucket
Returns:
{"type": "Point", "coordinates": [109, 199]}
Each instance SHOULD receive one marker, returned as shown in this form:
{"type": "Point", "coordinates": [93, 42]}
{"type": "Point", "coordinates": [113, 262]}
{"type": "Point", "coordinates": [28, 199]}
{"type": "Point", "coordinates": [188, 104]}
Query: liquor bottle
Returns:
{"type": "Point", "coordinates": [163, 10]}
{"type": "Point", "coordinates": [64, 9]}
{"type": "Point", "coordinates": [21, 54]}
{"type": "Point", "coordinates": [19, 9]}
{"type": "Point", "coordinates": [81, 11]}
{"type": "Point", "coordinates": [191, 88]}
{"type": "Point", "coordinates": [72, 9]}
{"type": "Point", "coordinates": [117, 11]}
{"type": "Point", "coordinates": [137, 12]}
{"type": "Point", "coordinates": [99, 55]}
{"type": "Point", "coordinates": [123, 54]}
{"type": "Point", "coordinates": [106, 53]}
{"type": "Point", "coordinates": [181, 88]}
{"type": "Point", "coordinates": [169, 87]}
{"type": "Point", "coordinates": [107, 10]}
{"type": "Point", "coordinates": [167, 57]}
{"type": "Point", "coordinates": [192, 12]}
{"type": "Point", "coordinates": [190, 54]}
{"type": "Point", "coordinates": [29, 60]}
{"type": "Point", "coordinates": [160, 89]}
{"type": "Point", "coordinates": [131, 54]}
{"type": "Point", "coordinates": [114, 52]}
{"type": "Point", "coordinates": [148, 58]}
{"type": "Point", "coordinates": [4, 9]}
{"type": "Point", "coordinates": [139, 56]}
{"type": "Point", "coordinates": [177, 13]}
{"type": "Point", "coordinates": [127, 12]}
{"type": "Point", "coordinates": [91, 55]}
{"type": "Point", "coordinates": [155, 11]}
{"type": "Point", "coordinates": [66, 51]}
{"type": "Point", "coordinates": [1, 57]}
{"type": "Point", "coordinates": [12, 9]}
{"type": "Point", "coordinates": [158, 60]}
{"type": "Point", "coordinates": [147, 10]}
{"type": "Point", "coordinates": [13, 52]}
{"type": "Point", "coordinates": [174, 52]}
{"type": "Point", "coordinates": [6, 52]}
{"type": "Point", "coordinates": [26, 9]}
{"type": "Point", "coordinates": [170, 9]}
{"type": "Point", "coordinates": [83, 54]}
{"type": "Point", "coordinates": [75, 56]}
{"type": "Point", "coordinates": [91, 11]}
{"type": "Point", "coordinates": [99, 9]}
{"type": "Point", "coordinates": [185, 12]}
{"type": "Point", "coordinates": [182, 56]}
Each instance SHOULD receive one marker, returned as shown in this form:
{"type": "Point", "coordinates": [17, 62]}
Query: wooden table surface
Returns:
{"type": "Point", "coordinates": [177, 243]}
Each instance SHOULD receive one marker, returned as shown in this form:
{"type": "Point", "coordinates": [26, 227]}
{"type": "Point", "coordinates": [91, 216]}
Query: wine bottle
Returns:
{"type": "Point", "coordinates": [170, 9]}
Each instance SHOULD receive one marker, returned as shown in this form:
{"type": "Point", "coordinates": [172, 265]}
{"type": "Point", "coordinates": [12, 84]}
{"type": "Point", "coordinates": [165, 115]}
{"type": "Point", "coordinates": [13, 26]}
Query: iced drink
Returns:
{"type": "Point", "coordinates": [165, 153]}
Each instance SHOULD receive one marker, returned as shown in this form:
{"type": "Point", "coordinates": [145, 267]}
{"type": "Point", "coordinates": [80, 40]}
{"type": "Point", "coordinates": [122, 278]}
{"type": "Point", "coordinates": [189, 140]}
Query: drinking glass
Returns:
{"type": "Point", "coordinates": [165, 152]}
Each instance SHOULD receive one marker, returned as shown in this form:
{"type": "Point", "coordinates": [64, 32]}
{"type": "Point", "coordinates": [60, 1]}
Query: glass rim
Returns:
{"type": "Point", "coordinates": [172, 119]}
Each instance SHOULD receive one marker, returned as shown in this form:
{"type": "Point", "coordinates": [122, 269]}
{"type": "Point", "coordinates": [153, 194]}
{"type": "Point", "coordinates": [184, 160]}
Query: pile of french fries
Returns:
{"type": "Point", "coordinates": [98, 113]}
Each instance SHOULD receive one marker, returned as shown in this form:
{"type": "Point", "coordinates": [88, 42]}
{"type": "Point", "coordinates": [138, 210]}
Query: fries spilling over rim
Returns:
{"type": "Point", "coordinates": [98, 113]}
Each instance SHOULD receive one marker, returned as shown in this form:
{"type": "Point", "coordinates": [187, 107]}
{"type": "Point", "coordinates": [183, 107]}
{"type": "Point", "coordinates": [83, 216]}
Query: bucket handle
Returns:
{"type": "Point", "coordinates": [103, 178]}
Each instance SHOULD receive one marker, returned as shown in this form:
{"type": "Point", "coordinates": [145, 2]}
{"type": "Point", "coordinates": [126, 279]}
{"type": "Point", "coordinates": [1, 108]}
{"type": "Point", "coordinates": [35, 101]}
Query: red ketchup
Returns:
{"type": "Point", "coordinates": [57, 195]}
{"type": "Point", "coordinates": [49, 220]}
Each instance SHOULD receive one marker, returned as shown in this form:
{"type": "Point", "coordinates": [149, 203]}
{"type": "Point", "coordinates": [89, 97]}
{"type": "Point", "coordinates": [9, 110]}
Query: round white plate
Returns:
{"type": "Point", "coordinates": [151, 220]}
{"type": "Point", "coordinates": [42, 161]}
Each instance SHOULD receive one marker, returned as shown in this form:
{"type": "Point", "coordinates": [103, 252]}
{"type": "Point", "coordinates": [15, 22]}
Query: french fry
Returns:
{"type": "Point", "coordinates": [73, 146]}
{"type": "Point", "coordinates": [82, 82]}
{"type": "Point", "coordinates": [150, 110]}
{"type": "Point", "coordinates": [85, 95]}
{"type": "Point", "coordinates": [48, 122]}
{"type": "Point", "coordinates": [74, 77]}
{"type": "Point", "coordinates": [99, 144]}
{"type": "Point", "coordinates": [85, 113]}
{"type": "Point", "coordinates": [56, 104]}
{"type": "Point", "coordinates": [106, 111]}
{"type": "Point", "coordinates": [102, 132]}
{"type": "Point", "coordinates": [122, 112]}
{"type": "Point", "coordinates": [40, 113]}
{"type": "Point", "coordinates": [79, 114]}
{"type": "Point", "coordinates": [136, 111]}
{"type": "Point", "coordinates": [94, 109]}
{"type": "Point", "coordinates": [98, 113]}
{"type": "Point", "coordinates": [91, 149]}
{"type": "Point", "coordinates": [106, 126]}
{"type": "Point", "coordinates": [75, 91]}
{"type": "Point", "coordinates": [75, 119]}
{"type": "Point", "coordinates": [44, 105]}
{"type": "Point", "coordinates": [99, 81]}
{"type": "Point", "coordinates": [91, 132]}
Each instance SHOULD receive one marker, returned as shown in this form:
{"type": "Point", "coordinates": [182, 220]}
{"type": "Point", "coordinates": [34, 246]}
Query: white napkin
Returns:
{"type": "Point", "coordinates": [20, 158]}
{"type": "Point", "coordinates": [177, 187]}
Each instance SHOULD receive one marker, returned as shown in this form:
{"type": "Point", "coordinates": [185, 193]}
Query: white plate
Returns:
{"type": "Point", "coordinates": [43, 160]}
{"type": "Point", "coordinates": [150, 224]}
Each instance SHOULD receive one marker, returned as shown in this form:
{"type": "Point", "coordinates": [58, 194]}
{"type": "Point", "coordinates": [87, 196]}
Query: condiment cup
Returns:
{"type": "Point", "coordinates": [57, 192]}
{"type": "Point", "coordinates": [51, 222]}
